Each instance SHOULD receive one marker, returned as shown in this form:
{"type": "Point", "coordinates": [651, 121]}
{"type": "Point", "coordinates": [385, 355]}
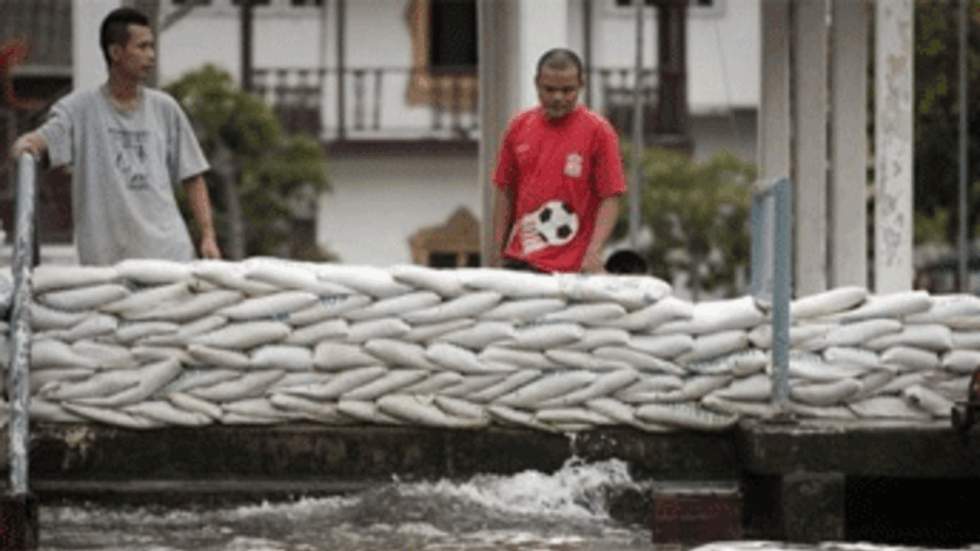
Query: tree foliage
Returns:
{"type": "Point", "coordinates": [260, 170]}
{"type": "Point", "coordinates": [698, 215]}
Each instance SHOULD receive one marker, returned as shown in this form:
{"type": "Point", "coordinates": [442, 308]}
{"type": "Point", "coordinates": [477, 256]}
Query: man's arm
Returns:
{"type": "Point", "coordinates": [200, 203]}
{"type": "Point", "coordinates": [31, 142]}
{"type": "Point", "coordinates": [605, 220]}
{"type": "Point", "coordinates": [503, 219]}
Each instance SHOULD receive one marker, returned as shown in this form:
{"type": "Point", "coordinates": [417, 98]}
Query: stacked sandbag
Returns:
{"type": "Point", "coordinates": [150, 343]}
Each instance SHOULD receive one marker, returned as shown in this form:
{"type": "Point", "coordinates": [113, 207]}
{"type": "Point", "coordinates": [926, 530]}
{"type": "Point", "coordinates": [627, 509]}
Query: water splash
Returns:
{"type": "Point", "coordinates": [564, 510]}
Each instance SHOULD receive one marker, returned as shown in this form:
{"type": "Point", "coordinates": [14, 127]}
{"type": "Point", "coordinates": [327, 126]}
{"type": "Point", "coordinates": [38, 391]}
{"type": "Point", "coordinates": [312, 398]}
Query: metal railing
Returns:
{"type": "Point", "coordinates": [418, 103]}
{"type": "Point", "coordinates": [18, 388]}
{"type": "Point", "coordinates": [772, 275]}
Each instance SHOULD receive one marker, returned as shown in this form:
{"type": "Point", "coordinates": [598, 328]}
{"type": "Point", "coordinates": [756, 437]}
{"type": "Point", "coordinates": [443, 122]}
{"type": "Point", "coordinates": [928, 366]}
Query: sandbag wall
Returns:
{"type": "Point", "coordinates": [148, 343]}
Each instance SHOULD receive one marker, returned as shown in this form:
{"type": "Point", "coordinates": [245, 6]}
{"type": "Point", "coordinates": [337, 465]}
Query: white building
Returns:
{"type": "Point", "coordinates": [390, 87]}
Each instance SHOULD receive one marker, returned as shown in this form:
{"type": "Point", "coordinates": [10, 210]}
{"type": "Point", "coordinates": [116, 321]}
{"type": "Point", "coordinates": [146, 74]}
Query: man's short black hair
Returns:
{"type": "Point", "coordinates": [626, 261]}
{"type": "Point", "coordinates": [559, 59]}
{"type": "Point", "coordinates": [115, 28]}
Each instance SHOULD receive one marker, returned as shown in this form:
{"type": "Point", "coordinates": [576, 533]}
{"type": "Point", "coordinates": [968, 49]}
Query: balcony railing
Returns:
{"type": "Point", "coordinates": [373, 103]}
{"type": "Point", "coordinates": [412, 104]}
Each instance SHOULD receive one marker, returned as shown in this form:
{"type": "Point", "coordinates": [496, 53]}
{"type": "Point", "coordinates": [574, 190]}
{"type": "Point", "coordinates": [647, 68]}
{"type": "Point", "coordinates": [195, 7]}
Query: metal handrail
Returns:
{"type": "Point", "coordinates": [772, 275]}
{"type": "Point", "coordinates": [18, 389]}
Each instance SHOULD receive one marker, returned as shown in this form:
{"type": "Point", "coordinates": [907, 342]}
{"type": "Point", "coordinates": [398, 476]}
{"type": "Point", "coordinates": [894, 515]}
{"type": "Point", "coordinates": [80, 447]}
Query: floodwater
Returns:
{"type": "Point", "coordinates": [530, 511]}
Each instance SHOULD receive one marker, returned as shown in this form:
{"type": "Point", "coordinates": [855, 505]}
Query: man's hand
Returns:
{"type": "Point", "coordinates": [32, 143]}
{"type": "Point", "coordinates": [209, 248]}
{"type": "Point", "coordinates": [592, 263]}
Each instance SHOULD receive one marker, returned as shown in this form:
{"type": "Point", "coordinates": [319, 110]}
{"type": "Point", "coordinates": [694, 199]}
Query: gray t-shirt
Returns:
{"type": "Point", "coordinates": [125, 166]}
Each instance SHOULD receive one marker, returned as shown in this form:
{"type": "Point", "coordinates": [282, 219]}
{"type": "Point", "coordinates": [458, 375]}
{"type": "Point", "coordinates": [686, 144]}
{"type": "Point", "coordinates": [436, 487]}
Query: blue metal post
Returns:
{"type": "Point", "coordinates": [20, 325]}
{"type": "Point", "coordinates": [772, 273]}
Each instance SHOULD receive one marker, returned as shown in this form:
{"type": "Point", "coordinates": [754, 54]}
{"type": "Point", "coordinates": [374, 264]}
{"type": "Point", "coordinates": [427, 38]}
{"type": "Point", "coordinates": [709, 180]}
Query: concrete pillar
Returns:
{"type": "Point", "coordinates": [809, 91]}
{"type": "Point", "coordinates": [894, 111]}
{"type": "Point", "coordinates": [500, 80]}
{"type": "Point", "coordinates": [849, 144]}
{"type": "Point", "coordinates": [774, 113]}
{"type": "Point", "coordinates": [88, 64]}
{"type": "Point", "coordinates": [813, 507]}
{"type": "Point", "coordinates": [543, 25]}
{"type": "Point", "coordinates": [775, 123]}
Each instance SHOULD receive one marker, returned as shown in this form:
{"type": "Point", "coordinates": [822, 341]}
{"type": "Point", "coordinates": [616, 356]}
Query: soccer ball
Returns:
{"type": "Point", "coordinates": [556, 223]}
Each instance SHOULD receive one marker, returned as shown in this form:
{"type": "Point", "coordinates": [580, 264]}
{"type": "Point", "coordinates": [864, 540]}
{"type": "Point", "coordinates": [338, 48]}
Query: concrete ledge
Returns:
{"type": "Point", "coordinates": [881, 449]}
{"type": "Point", "coordinates": [823, 474]}
{"type": "Point", "coordinates": [308, 452]}
{"type": "Point", "coordinates": [317, 452]}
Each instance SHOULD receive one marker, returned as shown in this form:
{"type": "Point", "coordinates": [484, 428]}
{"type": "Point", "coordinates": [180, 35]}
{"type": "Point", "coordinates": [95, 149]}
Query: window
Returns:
{"type": "Point", "coordinates": [444, 54]}
{"type": "Point", "coordinates": [452, 36]}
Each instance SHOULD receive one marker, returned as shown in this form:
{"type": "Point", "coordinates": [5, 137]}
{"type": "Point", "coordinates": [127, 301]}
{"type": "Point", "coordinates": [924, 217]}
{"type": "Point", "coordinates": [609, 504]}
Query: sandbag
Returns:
{"type": "Point", "coordinates": [480, 335]}
{"type": "Point", "coordinates": [83, 298]}
{"type": "Point", "coordinates": [828, 302]}
{"type": "Point", "coordinates": [244, 335]}
{"type": "Point", "coordinates": [688, 416]}
{"type": "Point", "coordinates": [395, 306]}
{"type": "Point", "coordinates": [523, 311]}
{"type": "Point", "coordinates": [398, 353]}
{"type": "Point", "coordinates": [49, 277]}
{"type": "Point", "coordinates": [442, 282]}
{"type": "Point", "coordinates": [427, 332]}
{"type": "Point", "coordinates": [384, 328]}
{"type": "Point", "coordinates": [334, 356]}
{"type": "Point", "coordinates": [630, 291]}
{"type": "Point", "coordinates": [274, 306]}
{"type": "Point", "coordinates": [151, 271]}
{"type": "Point", "coordinates": [141, 301]}
{"type": "Point", "coordinates": [327, 308]}
{"type": "Point", "coordinates": [366, 280]}
{"type": "Point", "coordinates": [282, 356]}
{"type": "Point", "coordinates": [717, 316]}
{"type": "Point", "coordinates": [648, 318]}
{"type": "Point", "coordinates": [894, 305]}
{"type": "Point", "coordinates": [466, 306]}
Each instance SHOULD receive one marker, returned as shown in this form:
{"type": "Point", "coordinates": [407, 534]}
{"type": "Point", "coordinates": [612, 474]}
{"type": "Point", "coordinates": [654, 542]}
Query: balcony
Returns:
{"type": "Point", "coordinates": [400, 106]}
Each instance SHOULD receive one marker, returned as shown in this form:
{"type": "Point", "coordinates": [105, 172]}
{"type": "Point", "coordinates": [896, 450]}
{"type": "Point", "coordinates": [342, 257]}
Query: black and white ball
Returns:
{"type": "Point", "coordinates": [557, 223]}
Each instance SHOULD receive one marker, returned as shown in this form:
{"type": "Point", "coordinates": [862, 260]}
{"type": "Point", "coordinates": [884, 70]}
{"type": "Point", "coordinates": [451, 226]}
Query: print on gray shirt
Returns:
{"type": "Point", "coordinates": [124, 166]}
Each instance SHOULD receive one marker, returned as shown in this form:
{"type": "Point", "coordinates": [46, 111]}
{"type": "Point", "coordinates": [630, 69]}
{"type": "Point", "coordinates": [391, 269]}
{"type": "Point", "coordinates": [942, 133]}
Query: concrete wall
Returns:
{"type": "Point", "coordinates": [377, 205]}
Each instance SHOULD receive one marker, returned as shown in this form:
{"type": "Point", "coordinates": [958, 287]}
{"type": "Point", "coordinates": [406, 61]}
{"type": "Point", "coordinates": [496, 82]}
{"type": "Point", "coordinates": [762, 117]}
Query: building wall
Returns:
{"type": "Point", "coordinates": [377, 204]}
{"type": "Point", "coordinates": [722, 49]}
{"type": "Point", "coordinates": [734, 132]}
{"type": "Point", "coordinates": [379, 201]}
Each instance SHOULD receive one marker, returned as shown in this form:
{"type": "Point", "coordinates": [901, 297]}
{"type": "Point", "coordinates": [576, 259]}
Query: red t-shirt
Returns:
{"type": "Point", "coordinates": [559, 172]}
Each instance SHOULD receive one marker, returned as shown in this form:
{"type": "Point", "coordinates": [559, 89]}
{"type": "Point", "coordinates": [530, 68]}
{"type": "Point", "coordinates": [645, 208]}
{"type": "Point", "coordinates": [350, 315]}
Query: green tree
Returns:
{"type": "Point", "coordinates": [698, 214]}
{"type": "Point", "coordinates": [260, 171]}
{"type": "Point", "coordinates": [937, 118]}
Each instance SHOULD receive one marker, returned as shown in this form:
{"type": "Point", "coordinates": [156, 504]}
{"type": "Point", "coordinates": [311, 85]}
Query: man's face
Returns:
{"type": "Point", "coordinates": [558, 90]}
{"type": "Point", "coordinates": [137, 57]}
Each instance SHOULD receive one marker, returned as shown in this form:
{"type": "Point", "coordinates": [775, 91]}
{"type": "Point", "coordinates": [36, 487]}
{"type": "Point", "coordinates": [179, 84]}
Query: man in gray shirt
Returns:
{"type": "Point", "coordinates": [127, 145]}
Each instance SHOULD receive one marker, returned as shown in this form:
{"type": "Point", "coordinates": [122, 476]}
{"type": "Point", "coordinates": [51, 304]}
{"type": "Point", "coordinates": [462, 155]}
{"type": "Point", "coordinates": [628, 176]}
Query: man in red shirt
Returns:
{"type": "Point", "coordinates": [559, 177]}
